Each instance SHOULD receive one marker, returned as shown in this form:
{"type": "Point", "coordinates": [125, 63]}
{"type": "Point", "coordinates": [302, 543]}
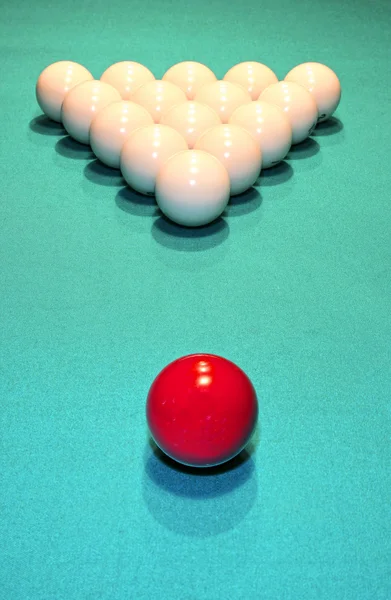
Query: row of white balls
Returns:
{"type": "Point", "coordinates": [127, 76]}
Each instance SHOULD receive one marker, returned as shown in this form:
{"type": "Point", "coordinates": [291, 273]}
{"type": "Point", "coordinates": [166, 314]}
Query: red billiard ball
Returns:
{"type": "Point", "coordinates": [202, 410]}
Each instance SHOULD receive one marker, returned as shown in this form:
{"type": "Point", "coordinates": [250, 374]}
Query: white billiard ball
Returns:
{"type": "Point", "coordinates": [298, 105]}
{"type": "Point", "coordinates": [192, 188]}
{"type": "Point", "coordinates": [191, 119]}
{"type": "Point", "coordinates": [127, 76]}
{"type": "Point", "coordinates": [158, 96]}
{"type": "Point", "coordinates": [322, 83]}
{"type": "Point", "coordinates": [145, 151]}
{"type": "Point", "coordinates": [238, 152]}
{"type": "Point", "coordinates": [223, 97]}
{"type": "Point", "coordinates": [253, 76]}
{"type": "Point", "coordinates": [55, 82]}
{"type": "Point", "coordinates": [189, 76]}
{"type": "Point", "coordinates": [111, 127]}
{"type": "Point", "coordinates": [81, 105]}
{"type": "Point", "coordinates": [269, 125]}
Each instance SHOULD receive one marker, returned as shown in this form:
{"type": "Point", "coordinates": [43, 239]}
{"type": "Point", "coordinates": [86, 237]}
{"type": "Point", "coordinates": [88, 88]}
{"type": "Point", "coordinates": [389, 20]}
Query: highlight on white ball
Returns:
{"type": "Point", "coordinates": [298, 105]}
{"type": "Point", "coordinates": [190, 76]}
{"type": "Point", "coordinates": [127, 76]}
{"type": "Point", "coordinates": [112, 126]}
{"type": "Point", "coordinates": [322, 83]}
{"type": "Point", "coordinates": [192, 188]}
{"type": "Point", "coordinates": [223, 97]}
{"type": "Point", "coordinates": [237, 151]}
{"type": "Point", "coordinates": [252, 76]}
{"type": "Point", "coordinates": [81, 105]}
{"type": "Point", "coordinates": [158, 96]}
{"type": "Point", "coordinates": [269, 126]}
{"type": "Point", "coordinates": [144, 153]}
{"type": "Point", "coordinates": [54, 82]}
{"type": "Point", "coordinates": [191, 119]}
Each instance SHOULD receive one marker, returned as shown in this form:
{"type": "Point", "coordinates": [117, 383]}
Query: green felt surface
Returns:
{"type": "Point", "coordinates": [98, 293]}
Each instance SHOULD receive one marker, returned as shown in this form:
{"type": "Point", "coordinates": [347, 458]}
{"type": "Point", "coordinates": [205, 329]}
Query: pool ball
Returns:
{"type": "Point", "coordinates": [189, 76]}
{"type": "Point", "coordinates": [238, 151]}
{"type": "Point", "coordinates": [192, 188]}
{"type": "Point", "coordinates": [82, 103]}
{"type": "Point", "coordinates": [269, 125]}
{"type": "Point", "coordinates": [298, 105]}
{"type": "Point", "coordinates": [253, 76]}
{"type": "Point", "coordinates": [191, 119]}
{"type": "Point", "coordinates": [145, 151]}
{"type": "Point", "coordinates": [157, 97]}
{"type": "Point", "coordinates": [112, 126]}
{"type": "Point", "coordinates": [127, 76]}
{"type": "Point", "coordinates": [322, 83]}
{"type": "Point", "coordinates": [55, 82]}
{"type": "Point", "coordinates": [223, 96]}
{"type": "Point", "coordinates": [202, 410]}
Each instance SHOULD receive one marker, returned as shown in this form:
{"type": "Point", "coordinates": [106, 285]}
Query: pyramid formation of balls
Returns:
{"type": "Point", "coordinates": [189, 139]}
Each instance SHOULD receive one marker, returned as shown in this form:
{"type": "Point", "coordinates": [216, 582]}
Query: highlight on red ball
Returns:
{"type": "Point", "coordinates": [202, 410]}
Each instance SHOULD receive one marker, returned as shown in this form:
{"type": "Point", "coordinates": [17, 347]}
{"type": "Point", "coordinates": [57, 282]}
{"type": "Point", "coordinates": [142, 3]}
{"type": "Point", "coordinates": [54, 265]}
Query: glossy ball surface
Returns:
{"type": "Point", "coordinates": [322, 83]}
{"type": "Point", "coordinates": [112, 126]}
{"type": "Point", "coordinates": [252, 76]}
{"type": "Point", "coordinates": [55, 82]}
{"type": "Point", "coordinates": [192, 188]}
{"type": "Point", "coordinates": [269, 126]}
{"type": "Point", "coordinates": [202, 410]}
{"type": "Point", "coordinates": [81, 105]}
{"type": "Point", "coordinates": [191, 119]}
{"type": "Point", "coordinates": [157, 97]}
{"type": "Point", "coordinates": [127, 77]}
{"type": "Point", "coordinates": [145, 151]}
{"type": "Point", "coordinates": [298, 105]}
{"type": "Point", "coordinates": [223, 97]}
{"type": "Point", "coordinates": [190, 76]}
{"type": "Point", "coordinates": [238, 151]}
